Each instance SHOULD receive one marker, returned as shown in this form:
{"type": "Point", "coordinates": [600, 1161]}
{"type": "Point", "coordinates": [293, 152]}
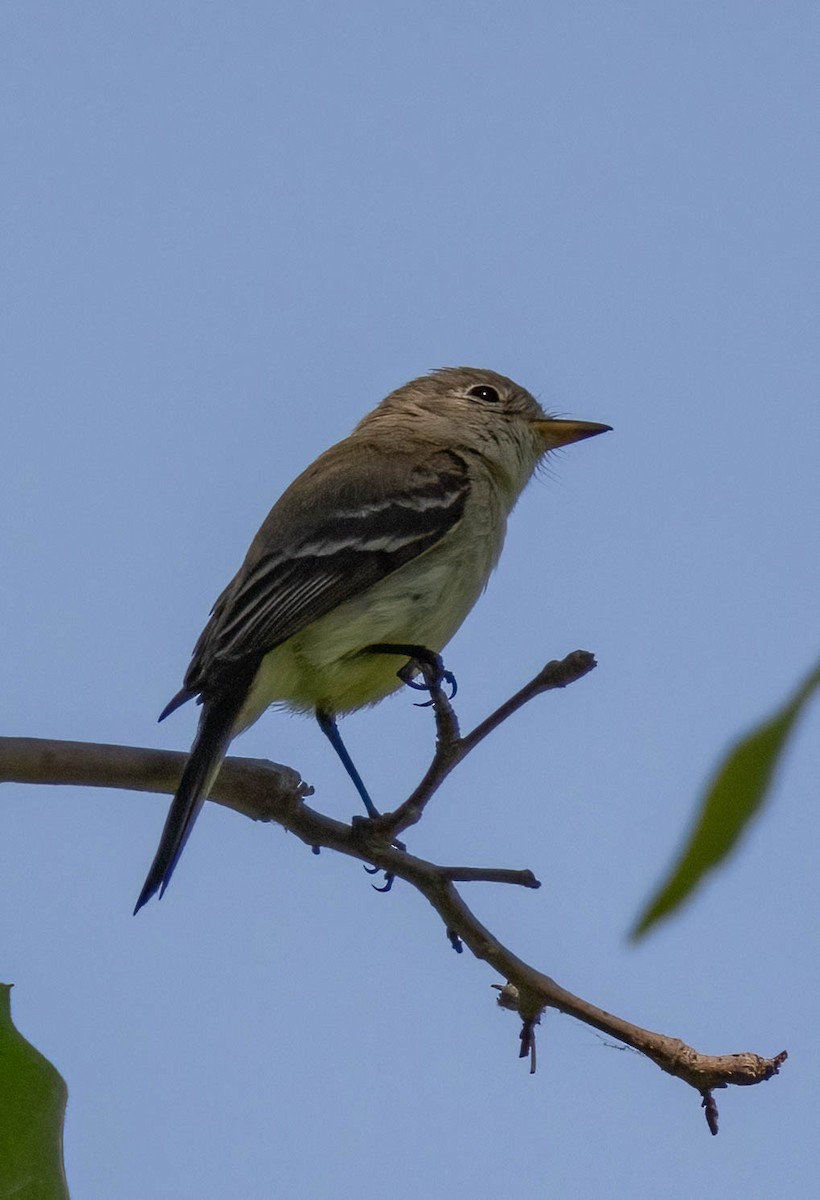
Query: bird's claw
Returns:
{"type": "Point", "coordinates": [388, 879]}
{"type": "Point", "coordinates": [442, 676]}
{"type": "Point", "coordinates": [446, 677]}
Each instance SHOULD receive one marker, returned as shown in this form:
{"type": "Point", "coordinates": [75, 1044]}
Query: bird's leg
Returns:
{"type": "Point", "coordinates": [330, 729]}
{"type": "Point", "coordinates": [419, 657]}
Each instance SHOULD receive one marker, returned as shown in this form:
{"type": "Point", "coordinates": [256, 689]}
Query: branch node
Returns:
{"type": "Point", "coordinates": [507, 995]}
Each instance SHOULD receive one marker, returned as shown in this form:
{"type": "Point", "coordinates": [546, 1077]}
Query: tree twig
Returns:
{"type": "Point", "coordinates": [490, 875]}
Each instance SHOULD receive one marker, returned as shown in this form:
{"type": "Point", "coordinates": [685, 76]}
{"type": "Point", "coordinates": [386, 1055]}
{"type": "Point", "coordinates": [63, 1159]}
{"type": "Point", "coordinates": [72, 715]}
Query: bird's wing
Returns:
{"type": "Point", "coordinates": [366, 519]}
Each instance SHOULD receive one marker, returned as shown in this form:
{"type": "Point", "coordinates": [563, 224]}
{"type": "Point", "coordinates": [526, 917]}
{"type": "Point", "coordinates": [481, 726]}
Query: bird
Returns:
{"type": "Point", "coordinates": [363, 571]}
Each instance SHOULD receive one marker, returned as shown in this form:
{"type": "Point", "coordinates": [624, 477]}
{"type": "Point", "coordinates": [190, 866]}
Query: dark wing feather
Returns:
{"type": "Point", "coordinates": [302, 565]}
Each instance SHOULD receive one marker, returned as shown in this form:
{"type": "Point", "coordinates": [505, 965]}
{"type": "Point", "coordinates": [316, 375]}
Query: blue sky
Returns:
{"type": "Point", "coordinates": [227, 232]}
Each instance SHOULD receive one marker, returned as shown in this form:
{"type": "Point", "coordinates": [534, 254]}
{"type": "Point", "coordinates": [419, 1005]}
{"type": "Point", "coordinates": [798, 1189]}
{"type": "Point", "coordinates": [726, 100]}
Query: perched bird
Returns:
{"type": "Point", "coordinates": [363, 569]}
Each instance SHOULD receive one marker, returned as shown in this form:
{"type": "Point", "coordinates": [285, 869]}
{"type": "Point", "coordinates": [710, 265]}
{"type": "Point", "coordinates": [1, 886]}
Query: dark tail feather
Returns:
{"type": "Point", "coordinates": [210, 746]}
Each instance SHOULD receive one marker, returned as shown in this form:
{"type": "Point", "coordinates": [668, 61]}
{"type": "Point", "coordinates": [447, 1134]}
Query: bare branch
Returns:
{"type": "Point", "coordinates": [490, 875]}
{"type": "Point", "coordinates": [135, 769]}
{"type": "Point", "coordinates": [267, 791]}
{"type": "Point", "coordinates": [558, 673]}
{"type": "Point", "coordinates": [451, 749]}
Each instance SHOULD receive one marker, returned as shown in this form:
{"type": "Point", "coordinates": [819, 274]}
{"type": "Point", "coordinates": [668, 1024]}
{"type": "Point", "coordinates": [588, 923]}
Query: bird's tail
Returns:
{"type": "Point", "coordinates": [210, 747]}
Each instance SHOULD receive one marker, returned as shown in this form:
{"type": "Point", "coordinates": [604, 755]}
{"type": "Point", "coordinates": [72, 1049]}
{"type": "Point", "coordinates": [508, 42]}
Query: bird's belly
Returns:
{"type": "Point", "coordinates": [323, 666]}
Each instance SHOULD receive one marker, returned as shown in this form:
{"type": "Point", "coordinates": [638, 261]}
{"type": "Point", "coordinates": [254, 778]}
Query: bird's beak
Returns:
{"type": "Point", "coordinates": [556, 432]}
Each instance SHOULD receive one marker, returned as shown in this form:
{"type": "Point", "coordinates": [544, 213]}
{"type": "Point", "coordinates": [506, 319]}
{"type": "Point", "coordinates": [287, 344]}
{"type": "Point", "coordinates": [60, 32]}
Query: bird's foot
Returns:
{"type": "Point", "coordinates": [364, 825]}
{"type": "Point", "coordinates": [421, 661]}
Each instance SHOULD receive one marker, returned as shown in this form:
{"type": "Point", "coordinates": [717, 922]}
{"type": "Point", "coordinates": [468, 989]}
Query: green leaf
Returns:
{"type": "Point", "coordinates": [32, 1106]}
{"type": "Point", "coordinates": [734, 796]}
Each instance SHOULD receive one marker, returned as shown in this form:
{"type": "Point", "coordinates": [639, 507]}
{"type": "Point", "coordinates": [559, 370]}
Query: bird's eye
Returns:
{"type": "Point", "coordinates": [482, 392]}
